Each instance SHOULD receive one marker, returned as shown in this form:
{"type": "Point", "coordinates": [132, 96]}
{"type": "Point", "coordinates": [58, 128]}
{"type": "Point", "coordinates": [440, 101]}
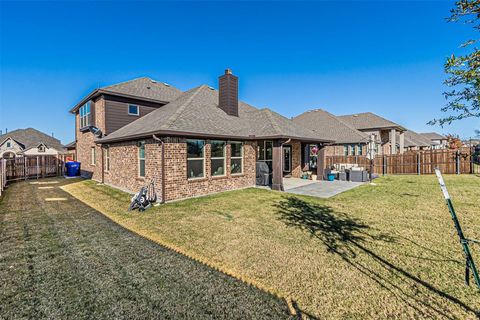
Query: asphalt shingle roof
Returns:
{"type": "Point", "coordinates": [196, 112]}
{"type": "Point", "coordinates": [433, 136]}
{"type": "Point", "coordinates": [368, 120]}
{"type": "Point", "coordinates": [413, 139]}
{"type": "Point", "coordinates": [32, 138]}
{"type": "Point", "coordinates": [145, 88]}
{"type": "Point", "coordinates": [329, 126]}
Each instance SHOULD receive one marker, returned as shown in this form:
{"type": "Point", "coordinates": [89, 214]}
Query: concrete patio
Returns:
{"type": "Point", "coordinates": [321, 189]}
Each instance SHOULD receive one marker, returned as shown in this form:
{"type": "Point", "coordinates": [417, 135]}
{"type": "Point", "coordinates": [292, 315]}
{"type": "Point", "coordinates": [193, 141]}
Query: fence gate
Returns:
{"type": "Point", "coordinates": [31, 167]}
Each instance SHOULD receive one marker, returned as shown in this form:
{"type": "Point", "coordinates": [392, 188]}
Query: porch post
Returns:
{"type": "Point", "coordinates": [277, 166]}
{"type": "Point", "coordinates": [321, 161]}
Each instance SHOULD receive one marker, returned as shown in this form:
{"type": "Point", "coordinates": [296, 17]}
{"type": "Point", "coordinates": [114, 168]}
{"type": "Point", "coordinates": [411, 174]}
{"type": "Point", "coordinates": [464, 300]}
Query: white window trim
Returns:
{"type": "Point", "coordinates": [199, 159]}
{"type": "Point", "coordinates": [216, 158]}
{"type": "Point", "coordinates": [107, 159]}
{"type": "Point", "coordinates": [93, 156]}
{"type": "Point", "coordinates": [241, 158]}
{"type": "Point", "coordinates": [133, 114]}
{"type": "Point", "coordinates": [142, 143]}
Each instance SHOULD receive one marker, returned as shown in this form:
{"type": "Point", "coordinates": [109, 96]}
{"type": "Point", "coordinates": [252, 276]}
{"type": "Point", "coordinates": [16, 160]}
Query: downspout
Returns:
{"type": "Point", "coordinates": [163, 166]}
{"type": "Point", "coordinates": [103, 165]}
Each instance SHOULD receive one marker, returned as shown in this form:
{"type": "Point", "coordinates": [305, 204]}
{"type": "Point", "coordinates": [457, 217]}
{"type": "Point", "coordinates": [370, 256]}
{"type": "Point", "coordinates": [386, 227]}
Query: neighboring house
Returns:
{"type": "Point", "coordinates": [30, 142]}
{"type": "Point", "coordinates": [347, 139]}
{"type": "Point", "coordinates": [70, 151]}
{"type": "Point", "coordinates": [191, 143]}
{"type": "Point", "coordinates": [415, 141]}
{"type": "Point", "coordinates": [351, 133]}
{"type": "Point", "coordinates": [385, 131]}
{"type": "Point", "coordinates": [437, 141]}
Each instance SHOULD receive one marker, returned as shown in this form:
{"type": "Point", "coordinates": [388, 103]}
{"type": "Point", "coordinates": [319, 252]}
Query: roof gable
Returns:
{"type": "Point", "coordinates": [331, 127]}
{"type": "Point", "coordinates": [30, 137]}
{"type": "Point", "coordinates": [368, 120]}
{"type": "Point", "coordinates": [196, 112]}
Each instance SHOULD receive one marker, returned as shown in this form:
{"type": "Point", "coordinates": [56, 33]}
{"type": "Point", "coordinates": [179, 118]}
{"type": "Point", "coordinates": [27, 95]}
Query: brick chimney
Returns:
{"type": "Point", "coordinates": [228, 93]}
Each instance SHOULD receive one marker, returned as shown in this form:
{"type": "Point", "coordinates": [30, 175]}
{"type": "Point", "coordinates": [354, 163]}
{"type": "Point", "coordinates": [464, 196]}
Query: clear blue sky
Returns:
{"type": "Point", "coordinates": [345, 57]}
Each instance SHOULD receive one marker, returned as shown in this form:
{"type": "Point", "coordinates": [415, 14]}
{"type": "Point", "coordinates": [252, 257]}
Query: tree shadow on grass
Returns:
{"type": "Point", "coordinates": [348, 237]}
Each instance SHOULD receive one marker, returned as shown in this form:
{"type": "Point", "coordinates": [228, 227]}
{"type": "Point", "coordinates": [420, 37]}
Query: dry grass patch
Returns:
{"type": "Point", "coordinates": [388, 250]}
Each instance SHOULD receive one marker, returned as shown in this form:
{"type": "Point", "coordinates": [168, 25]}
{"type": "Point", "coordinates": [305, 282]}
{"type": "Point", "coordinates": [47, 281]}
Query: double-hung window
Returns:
{"type": "Point", "coordinates": [360, 149]}
{"type": "Point", "coordinates": [85, 115]}
{"type": "Point", "coordinates": [195, 159]}
{"type": "Point", "coordinates": [133, 110]}
{"type": "Point", "coordinates": [107, 159]}
{"type": "Point", "coordinates": [218, 159]}
{"type": "Point", "coordinates": [141, 159]}
{"type": "Point", "coordinates": [345, 150]}
{"type": "Point", "coordinates": [236, 157]}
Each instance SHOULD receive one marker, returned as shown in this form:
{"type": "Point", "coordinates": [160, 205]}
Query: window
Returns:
{"type": "Point", "coordinates": [313, 156]}
{"type": "Point", "coordinates": [352, 149]}
{"type": "Point", "coordinates": [345, 150]}
{"type": "Point", "coordinates": [41, 148]}
{"type": "Point", "coordinates": [85, 115]}
{"type": "Point", "coordinates": [92, 156]}
{"type": "Point", "coordinates": [141, 159]}
{"type": "Point", "coordinates": [195, 159]}
{"type": "Point", "coordinates": [107, 159]}
{"type": "Point", "coordinates": [360, 149]}
{"type": "Point", "coordinates": [218, 161]}
{"type": "Point", "coordinates": [265, 152]}
{"type": "Point", "coordinates": [9, 145]}
{"type": "Point", "coordinates": [133, 110]}
{"type": "Point", "coordinates": [236, 157]}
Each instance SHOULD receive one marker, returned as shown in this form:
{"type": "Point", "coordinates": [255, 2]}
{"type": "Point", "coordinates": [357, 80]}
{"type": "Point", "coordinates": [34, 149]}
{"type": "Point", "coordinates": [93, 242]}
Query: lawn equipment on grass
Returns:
{"type": "Point", "coordinates": [469, 263]}
{"type": "Point", "coordinates": [145, 198]}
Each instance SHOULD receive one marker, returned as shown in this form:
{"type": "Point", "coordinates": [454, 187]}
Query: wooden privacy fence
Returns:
{"type": "Point", "coordinates": [3, 176]}
{"type": "Point", "coordinates": [414, 162]}
{"type": "Point", "coordinates": [32, 167]}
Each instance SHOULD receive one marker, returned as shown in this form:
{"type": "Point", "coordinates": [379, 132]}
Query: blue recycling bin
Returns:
{"type": "Point", "coordinates": [331, 177]}
{"type": "Point", "coordinates": [73, 169]}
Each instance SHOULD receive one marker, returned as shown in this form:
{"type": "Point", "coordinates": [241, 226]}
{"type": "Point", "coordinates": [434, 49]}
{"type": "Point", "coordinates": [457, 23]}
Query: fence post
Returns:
{"type": "Point", "coordinates": [25, 167]}
{"type": "Point", "coordinates": [418, 164]}
{"type": "Point", "coordinates": [384, 165]}
{"type": "Point", "coordinates": [457, 162]}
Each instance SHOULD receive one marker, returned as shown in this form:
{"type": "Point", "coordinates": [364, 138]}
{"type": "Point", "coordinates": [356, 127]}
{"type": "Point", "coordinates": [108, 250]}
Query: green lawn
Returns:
{"type": "Point", "coordinates": [377, 251]}
{"type": "Point", "coordinates": [64, 260]}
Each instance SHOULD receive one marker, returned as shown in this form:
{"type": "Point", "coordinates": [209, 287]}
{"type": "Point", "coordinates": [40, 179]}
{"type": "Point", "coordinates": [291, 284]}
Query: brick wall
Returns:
{"type": "Point", "coordinates": [296, 159]}
{"type": "Point", "coordinates": [337, 150]}
{"type": "Point", "coordinates": [124, 169]}
{"type": "Point", "coordinates": [85, 142]}
{"type": "Point", "coordinates": [124, 166]}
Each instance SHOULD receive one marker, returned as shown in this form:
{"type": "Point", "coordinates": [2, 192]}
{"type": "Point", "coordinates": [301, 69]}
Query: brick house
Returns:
{"type": "Point", "coordinates": [29, 142]}
{"type": "Point", "coordinates": [351, 133]}
{"type": "Point", "coordinates": [191, 143]}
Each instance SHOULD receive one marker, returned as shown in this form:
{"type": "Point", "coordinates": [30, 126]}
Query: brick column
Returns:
{"type": "Point", "coordinates": [393, 142]}
{"type": "Point", "coordinates": [321, 161]}
{"type": "Point", "coordinates": [402, 142]}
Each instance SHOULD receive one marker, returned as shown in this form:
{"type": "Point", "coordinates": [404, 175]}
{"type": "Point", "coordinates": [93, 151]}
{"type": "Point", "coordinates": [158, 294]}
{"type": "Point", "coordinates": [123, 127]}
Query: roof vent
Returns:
{"type": "Point", "coordinates": [148, 87]}
{"type": "Point", "coordinates": [166, 84]}
{"type": "Point", "coordinates": [211, 88]}
{"type": "Point", "coordinates": [153, 81]}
